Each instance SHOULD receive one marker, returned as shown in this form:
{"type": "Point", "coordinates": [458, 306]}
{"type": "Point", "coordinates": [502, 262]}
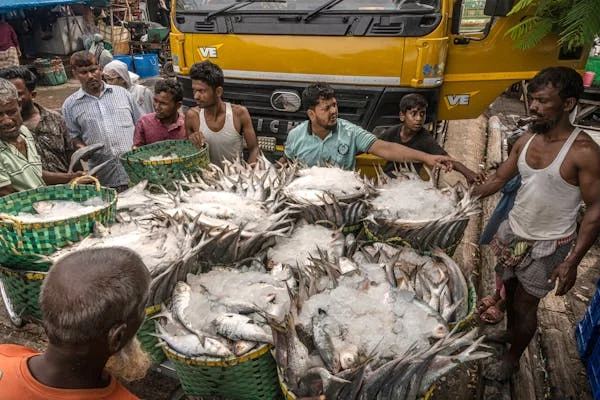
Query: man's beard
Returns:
{"type": "Point", "coordinates": [543, 126]}
{"type": "Point", "coordinates": [131, 363]}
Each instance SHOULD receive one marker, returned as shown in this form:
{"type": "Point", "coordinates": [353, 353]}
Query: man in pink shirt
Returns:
{"type": "Point", "coordinates": [166, 123]}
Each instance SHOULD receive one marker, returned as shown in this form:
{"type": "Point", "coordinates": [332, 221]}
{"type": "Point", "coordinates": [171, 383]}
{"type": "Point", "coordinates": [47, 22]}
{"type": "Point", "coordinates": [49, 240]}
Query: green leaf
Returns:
{"type": "Point", "coordinates": [580, 24]}
{"type": "Point", "coordinates": [521, 4]}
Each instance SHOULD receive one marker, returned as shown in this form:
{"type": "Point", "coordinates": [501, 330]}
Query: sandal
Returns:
{"type": "Point", "coordinates": [486, 303]}
{"type": "Point", "coordinates": [492, 315]}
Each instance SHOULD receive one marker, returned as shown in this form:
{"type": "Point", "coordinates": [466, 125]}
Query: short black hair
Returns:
{"type": "Point", "coordinates": [208, 72]}
{"type": "Point", "coordinates": [170, 86]}
{"type": "Point", "coordinates": [412, 100]}
{"type": "Point", "coordinates": [20, 72]}
{"type": "Point", "coordinates": [568, 82]}
{"type": "Point", "coordinates": [316, 91]}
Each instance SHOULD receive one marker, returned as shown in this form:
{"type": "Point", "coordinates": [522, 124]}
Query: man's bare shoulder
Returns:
{"type": "Point", "coordinates": [585, 148]}
{"type": "Point", "coordinates": [239, 111]}
{"type": "Point", "coordinates": [521, 142]}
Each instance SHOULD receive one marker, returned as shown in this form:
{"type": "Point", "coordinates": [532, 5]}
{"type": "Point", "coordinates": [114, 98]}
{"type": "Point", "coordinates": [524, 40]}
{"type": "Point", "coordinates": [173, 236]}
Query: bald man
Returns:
{"type": "Point", "coordinates": [93, 302]}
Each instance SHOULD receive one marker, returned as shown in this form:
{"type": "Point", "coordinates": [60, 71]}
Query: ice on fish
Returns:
{"type": "Point", "coordinates": [163, 157]}
{"type": "Point", "coordinates": [56, 210]}
{"type": "Point", "coordinates": [314, 182]}
{"type": "Point", "coordinates": [303, 243]}
{"type": "Point", "coordinates": [411, 199]}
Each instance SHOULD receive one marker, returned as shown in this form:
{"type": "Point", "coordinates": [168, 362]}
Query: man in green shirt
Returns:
{"type": "Point", "coordinates": [20, 163]}
{"type": "Point", "coordinates": [325, 138]}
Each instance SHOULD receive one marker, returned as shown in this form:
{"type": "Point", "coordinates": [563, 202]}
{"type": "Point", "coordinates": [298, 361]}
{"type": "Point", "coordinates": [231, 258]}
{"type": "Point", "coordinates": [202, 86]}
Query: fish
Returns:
{"type": "Point", "coordinates": [98, 167]}
{"type": "Point", "coordinates": [83, 153]}
{"type": "Point", "coordinates": [57, 210]}
{"type": "Point", "coordinates": [460, 290]}
{"type": "Point", "coordinates": [240, 327]}
{"type": "Point", "coordinates": [191, 345]}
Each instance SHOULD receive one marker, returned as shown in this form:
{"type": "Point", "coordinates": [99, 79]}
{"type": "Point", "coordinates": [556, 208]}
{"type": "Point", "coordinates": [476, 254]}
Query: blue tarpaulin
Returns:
{"type": "Point", "coordinates": [10, 5]}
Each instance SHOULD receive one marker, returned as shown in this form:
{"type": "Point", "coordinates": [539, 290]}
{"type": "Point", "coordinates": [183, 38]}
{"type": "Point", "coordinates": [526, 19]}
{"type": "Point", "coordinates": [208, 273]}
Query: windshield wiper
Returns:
{"type": "Point", "coordinates": [239, 4]}
{"type": "Point", "coordinates": [320, 9]}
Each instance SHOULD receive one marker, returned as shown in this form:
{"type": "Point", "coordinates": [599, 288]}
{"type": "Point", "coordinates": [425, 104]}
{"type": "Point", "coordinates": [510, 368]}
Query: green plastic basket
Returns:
{"type": "Point", "coordinates": [146, 336]}
{"type": "Point", "coordinates": [252, 376]}
{"type": "Point", "coordinates": [163, 172]}
{"type": "Point", "coordinates": [22, 243]}
{"type": "Point", "coordinates": [23, 290]}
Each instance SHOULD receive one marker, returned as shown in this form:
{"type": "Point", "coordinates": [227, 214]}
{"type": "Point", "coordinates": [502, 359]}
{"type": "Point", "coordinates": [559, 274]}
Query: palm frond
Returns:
{"type": "Point", "coordinates": [580, 24]}
{"type": "Point", "coordinates": [521, 4]}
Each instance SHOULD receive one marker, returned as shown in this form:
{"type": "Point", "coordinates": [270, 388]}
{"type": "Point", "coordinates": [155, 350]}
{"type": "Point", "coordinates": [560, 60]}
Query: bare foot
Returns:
{"type": "Point", "coordinates": [501, 370]}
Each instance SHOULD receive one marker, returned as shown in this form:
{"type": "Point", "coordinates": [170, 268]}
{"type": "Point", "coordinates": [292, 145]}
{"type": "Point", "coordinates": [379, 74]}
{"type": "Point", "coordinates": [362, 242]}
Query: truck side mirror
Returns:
{"type": "Point", "coordinates": [497, 8]}
{"type": "Point", "coordinates": [456, 17]}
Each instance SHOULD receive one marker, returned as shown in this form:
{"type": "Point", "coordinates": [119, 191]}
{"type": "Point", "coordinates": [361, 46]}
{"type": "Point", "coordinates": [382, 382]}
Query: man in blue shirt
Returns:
{"type": "Point", "coordinates": [325, 138]}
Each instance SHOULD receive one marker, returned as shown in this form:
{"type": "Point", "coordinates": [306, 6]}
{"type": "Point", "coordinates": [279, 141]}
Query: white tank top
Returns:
{"type": "Point", "coordinates": [546, 205]}
{"type": "Point", "coordinates": [224, 144]}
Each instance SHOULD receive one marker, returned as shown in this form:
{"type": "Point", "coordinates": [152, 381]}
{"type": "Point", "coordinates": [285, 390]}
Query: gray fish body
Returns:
{"type": "Point", "coordinates": [460, 290]}
{"type": "Point", "coordinates": [83, 152]}
{"type": "Point", "coordinates": [240, 327]}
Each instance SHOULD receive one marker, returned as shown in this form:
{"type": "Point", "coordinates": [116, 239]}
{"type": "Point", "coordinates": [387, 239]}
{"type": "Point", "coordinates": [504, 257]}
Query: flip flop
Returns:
{"type": "Point", "coordinates": [492, 315]}
{"type": "Point", "coordinates": [486, 303]}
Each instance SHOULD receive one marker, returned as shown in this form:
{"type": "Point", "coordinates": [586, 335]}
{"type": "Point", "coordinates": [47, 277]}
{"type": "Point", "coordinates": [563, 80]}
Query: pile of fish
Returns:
{"type": "Point", "coordinates": [420, 214]}
{"type": "Point", "coordinates": [56, 210]}
{"type": "Point", "coordinates": [163, 244]}
{"type": "Point", "coordinates": [438, 280]}
{"type": "Point", "coordinates": [366, 339]}
{"type": "Point", "coordinates": [224, 313]}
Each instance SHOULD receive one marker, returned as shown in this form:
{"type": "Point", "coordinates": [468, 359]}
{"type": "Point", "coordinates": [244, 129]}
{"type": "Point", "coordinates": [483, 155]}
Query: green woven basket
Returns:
{"type": "Point", "coordinates": [146, 336]}
{"type": "Point", "coordinates": [163, 172]}
{"type": "Point", "coordinates": [22, 243]}
{"type": "Point", "coordinates": [23, 290]}
{"type": "Point", "coordinates": [252, 376]}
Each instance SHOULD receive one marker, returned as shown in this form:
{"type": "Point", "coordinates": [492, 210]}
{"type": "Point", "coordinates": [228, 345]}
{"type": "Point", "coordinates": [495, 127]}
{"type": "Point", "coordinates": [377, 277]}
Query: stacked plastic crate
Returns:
{"type": "Point", "coordinates": [587, 332]}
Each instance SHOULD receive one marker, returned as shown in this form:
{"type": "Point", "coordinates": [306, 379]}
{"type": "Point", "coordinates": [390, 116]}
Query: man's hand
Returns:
{"type": "Point", "coordinates": [197, 138]}
{"type": "Point", "coordinates": [445, 162]}
{"type": "Point", "coordinates": [74, 175]}
{"type": "Point", "coordinates": [566, 273]}
{"type": "Point", "coordinates": [480, 177]}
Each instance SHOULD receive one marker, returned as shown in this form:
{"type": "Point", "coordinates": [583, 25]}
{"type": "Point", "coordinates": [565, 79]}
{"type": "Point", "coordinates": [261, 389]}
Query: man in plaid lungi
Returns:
{"type": "Point", "coordinates": [539, 244]}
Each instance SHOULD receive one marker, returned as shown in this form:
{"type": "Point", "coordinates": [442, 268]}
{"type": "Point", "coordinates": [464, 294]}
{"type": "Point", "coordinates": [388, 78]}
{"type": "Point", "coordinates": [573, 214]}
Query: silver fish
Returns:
{"type": "Point", "coordinates": [240, 327]}
{"type": "Point", "coordinates": [83, 153]}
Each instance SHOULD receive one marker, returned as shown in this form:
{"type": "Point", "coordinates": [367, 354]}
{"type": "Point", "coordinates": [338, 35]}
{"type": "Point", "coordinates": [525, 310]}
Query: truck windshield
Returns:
{"type": "Point", "coordinates": [308, 6]}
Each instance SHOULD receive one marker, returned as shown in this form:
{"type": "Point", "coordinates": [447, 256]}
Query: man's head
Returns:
{"type": "Point", "coordinates": [25, 82]}
{"type": "Point", "coordinates": [168, 97]}
{"type": "Point", "coordinates": [10, 111]}
{"type": "Point", "coordinates": [87, 71]}
{"type": "Point", "coordinates": [93, 302]}
{"type": "Point", "coordinates": [413, 111]}
{"type": "Point", "coordinates": [207, 83]}
{"type": "Point", "coordinates": [554, 92]}
{"type": "Point", "coordinates": [116, 73]}
{"type": "Point", "coordinates": [320, 104]}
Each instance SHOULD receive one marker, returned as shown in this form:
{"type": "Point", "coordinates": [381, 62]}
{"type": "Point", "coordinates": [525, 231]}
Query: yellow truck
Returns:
{"type": "Point", "coordinates": [455, 53]}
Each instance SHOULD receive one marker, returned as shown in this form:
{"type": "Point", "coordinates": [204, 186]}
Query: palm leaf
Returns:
{"type": "Point", "coordinates": [580, 24]}
{"type": "Point", "coordinates": [521, 4]}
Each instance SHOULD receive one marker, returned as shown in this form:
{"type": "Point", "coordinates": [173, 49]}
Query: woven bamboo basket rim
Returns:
{"type": "Point", "coordinates": [130, 157]}
{"type": "Point", "coordinates": [20, 225]}
{"type": "Point", "coordinates": [30, 275]}
{"type": "Point", "coordinates": [215, 362]}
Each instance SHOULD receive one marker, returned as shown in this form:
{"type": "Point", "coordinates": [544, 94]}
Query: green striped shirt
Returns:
{"type": "Point", "coordinates": [16, 169]}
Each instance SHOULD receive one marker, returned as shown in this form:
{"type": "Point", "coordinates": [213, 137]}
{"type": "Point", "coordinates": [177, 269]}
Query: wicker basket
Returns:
{"type": "Point", "coordinates": [164, 172]}
{"type": "Point", "coordinates": [145, 334]}
{"type": "Point", "coordinates": [23, 292]}
{"type": "Point", "coordinates": [252, 376]}
{"type": "Point", "coordinates": [20, 242]}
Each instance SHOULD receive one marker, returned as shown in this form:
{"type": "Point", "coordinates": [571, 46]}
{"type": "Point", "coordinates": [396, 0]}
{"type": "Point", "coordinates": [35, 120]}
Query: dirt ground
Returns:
{"type": "Point", "coordinates": [466, 382]}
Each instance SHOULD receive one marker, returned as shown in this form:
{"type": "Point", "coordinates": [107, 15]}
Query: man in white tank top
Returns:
{"type": "Point", "coordinates": [559, 166]}
{"type": "Point", "coordinates": [223, 126]}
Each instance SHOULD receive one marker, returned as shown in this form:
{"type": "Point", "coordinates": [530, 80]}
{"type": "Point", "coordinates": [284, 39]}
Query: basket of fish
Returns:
{"type": "Point", "coordinates": [331, 348]}
{"type": "Point", "coordinates": [217, 333]}
{"type": "Point", "coordinates": [435, 279]}
{"type": "Point", "coordinates": [330, 194]}
{"type": "Point", "coordinates": [20, 292]}
{"type": "Point", "coordinates": [163, 162]}
{"type": "Point", "coordinates": [41, 221]}
{"type": "Point", "coordinates": [411, 212]}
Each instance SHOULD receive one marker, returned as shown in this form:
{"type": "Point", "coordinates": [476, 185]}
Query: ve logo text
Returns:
{"type": "Point", "coordinates": [453, 100]}
{"type": "Point", "coordinates": [209, 52]}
